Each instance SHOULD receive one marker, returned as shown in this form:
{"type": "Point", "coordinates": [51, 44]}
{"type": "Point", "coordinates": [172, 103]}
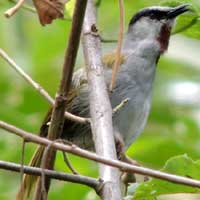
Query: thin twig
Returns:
{"type": "Point", "coordinates": [22, 166]}
{"type": "Point", "coordinates": [25, 6]}
{"type": "Point", "coordinates": [103, 40]}
{"type": "Point", "coordinates": [66, 159]}
{"type": "Point", "coordinates": [120, 106]}
{"type": "Point", "coordinates": [91, 182]}
{"type": "Point", "coordinates": [25, 76]}
{"type": "Point", "coordinates": [44, 160]}
{"type": "Point", "coordinates": [119, 45]}
{"type": "Point", "coordinates": [10, 12]}
{"type": "Point", "coordinates": [38, 88]}
{"type": "Point", "coordinates": [92, 156]}
{"type": "Point", "coordinates": [57, 117]}
{"type": "Point", "coordinates": [68, 163]}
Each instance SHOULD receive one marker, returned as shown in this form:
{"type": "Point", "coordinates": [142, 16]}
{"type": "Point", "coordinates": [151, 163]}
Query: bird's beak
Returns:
{"type": "Point", "coordinates": [178, 11]}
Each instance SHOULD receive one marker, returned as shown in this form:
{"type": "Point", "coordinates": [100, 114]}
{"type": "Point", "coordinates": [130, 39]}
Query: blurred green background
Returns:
{"type": "Point", "coordinates": [174, 124]}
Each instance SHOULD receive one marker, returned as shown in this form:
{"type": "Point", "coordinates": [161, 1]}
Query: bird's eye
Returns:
{"type": "Point", "coordinates": [157, 15]}
{"type": "Point", "coordinates": [152, 15]}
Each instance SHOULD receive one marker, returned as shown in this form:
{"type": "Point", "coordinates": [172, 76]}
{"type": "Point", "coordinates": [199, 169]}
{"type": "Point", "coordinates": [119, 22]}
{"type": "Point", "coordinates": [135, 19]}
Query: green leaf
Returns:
{"type": "Point", "coordinates": [188, 23]}
{"type": "Point", "coordinates": [69, 7]}
{"type": "Point", "coordinates": [194, 4]}
{"type": "Point", "coordinates": [179, 165]}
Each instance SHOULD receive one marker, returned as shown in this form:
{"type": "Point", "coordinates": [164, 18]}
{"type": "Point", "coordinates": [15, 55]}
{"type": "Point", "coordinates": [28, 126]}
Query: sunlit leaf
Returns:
{"type": "Point", "coordinates": [180, 165]}
{"type": "Point", "coordinates": [188, 23]}
{"type": "Point", "coordinates": [70, 7]}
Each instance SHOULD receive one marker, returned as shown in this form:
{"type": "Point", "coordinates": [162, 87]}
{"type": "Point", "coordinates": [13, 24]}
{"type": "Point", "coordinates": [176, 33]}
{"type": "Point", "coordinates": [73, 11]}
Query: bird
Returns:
{"type": "Point", "coordinates": [146, 40]}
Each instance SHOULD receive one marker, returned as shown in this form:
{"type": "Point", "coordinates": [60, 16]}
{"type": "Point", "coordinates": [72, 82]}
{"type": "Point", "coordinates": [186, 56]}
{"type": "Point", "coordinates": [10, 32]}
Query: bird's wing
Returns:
{"type": "Point", "coordinates": [77, 104]}
{"type": "Point", "coordinates": [45, 124]}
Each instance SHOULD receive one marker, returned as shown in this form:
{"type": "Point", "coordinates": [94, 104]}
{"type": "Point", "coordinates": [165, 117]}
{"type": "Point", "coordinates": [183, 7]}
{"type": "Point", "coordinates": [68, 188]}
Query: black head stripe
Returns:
{"type": "Point", "coordinates": [153, 13]}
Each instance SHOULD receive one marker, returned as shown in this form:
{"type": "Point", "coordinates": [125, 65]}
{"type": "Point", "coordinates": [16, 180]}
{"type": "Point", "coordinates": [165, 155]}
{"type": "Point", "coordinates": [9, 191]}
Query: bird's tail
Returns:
{"type": "Point", "coordinates": [29, 180]}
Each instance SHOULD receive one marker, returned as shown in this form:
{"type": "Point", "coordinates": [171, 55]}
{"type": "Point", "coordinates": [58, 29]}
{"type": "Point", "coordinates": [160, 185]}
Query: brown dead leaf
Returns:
{"type": "Point", "coordinates": [48, 10]}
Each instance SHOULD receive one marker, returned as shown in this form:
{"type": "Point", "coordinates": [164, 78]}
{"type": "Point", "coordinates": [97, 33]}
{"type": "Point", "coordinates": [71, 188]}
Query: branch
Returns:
{"type": "Point", "coordinates": [22, 165]}
{"type": "Point", "coordinates": [25, 6]}
{"type": "Point", "coordinates": [120, 106]}
{"type": "Point", "coordinates": [37, 87]}
{"type": "Point", "coordinates": [91, 182]}
{"type": "Point", "coordinates": [93, 156]}
{"type": "Point", "coordinates": [57, 118]}
{"type": "Point", "coordinates": [119, 45]}
{"type": "Point", "coordinates": [100, 107]}
{"type": "Point", "coordinates": [10, 12]}
{"type": "Point", "coordinates": [68, 163]}
{"type": "Point", "coordinates": [103, 40]}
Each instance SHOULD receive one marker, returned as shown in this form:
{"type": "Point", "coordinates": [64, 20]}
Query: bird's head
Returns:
{"type": "Point", "coordinates": [155, 24]}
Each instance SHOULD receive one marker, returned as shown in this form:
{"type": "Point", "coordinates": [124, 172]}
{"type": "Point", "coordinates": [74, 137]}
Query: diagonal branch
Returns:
{"type": "Point", "coordinates": [25, 6]}
{"type": "Point", "coordinates": [119, 45]}
{"type": "Point", "coordinates": [10, 12]}
{"type": "Point", "coordinates": [91, 182]}
{"type": "Point", "coordinates": [120, 106]}
{"type": "Point", "coordinates": [125, 167]}
{"type": "Point", "coordinates": [38, 88]}
{"type": "Point", "coordinates": [57, 118]}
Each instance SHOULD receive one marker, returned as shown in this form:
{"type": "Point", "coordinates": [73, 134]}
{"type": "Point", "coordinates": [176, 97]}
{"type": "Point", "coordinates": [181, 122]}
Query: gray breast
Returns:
{"type": "Point", "coordinates": [135, 83]}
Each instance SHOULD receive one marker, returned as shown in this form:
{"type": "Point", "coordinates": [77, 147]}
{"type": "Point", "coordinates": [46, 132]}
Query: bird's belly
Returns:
{"type": "Point", "coordinates": [131, 121]}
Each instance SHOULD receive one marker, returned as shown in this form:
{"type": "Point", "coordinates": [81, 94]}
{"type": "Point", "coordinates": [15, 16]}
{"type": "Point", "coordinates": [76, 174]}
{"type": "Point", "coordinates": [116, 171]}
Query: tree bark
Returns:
{"type": "Point", "coordinates": [100, 107]}
{"type": "Point", "coordinates": [57, 118]}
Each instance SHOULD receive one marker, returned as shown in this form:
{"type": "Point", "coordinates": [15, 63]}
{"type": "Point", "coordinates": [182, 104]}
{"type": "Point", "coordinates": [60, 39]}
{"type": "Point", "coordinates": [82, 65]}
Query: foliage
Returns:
{"type": "Point", "coordinates": [173, 126]}
{"type": "Point", "coordinates": [180, 165]}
